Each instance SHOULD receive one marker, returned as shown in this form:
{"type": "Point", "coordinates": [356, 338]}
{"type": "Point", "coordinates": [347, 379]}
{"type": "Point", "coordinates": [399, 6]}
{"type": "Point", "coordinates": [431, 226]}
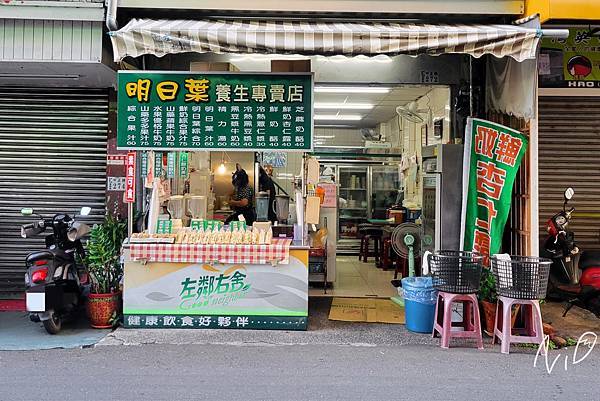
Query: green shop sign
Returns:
{"type": "Point", "coordinates": [492, 158]}
{"type": "Point", "coordinates": [194, 111]}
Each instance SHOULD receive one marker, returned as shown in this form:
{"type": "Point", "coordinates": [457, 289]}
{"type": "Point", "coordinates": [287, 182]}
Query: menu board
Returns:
{"type": "Point", "coordinates": [204, 111]}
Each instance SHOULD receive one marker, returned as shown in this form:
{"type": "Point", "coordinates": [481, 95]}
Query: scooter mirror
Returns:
{"type": "Point", "coordinates": [85, 211]}
{"type": "Point", "coordinates": [569, 192]}
{"type": "Point", "coordinates": [27, 211]}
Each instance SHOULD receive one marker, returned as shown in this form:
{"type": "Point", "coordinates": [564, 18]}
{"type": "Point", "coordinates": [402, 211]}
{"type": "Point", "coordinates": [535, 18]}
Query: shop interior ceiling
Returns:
{"type": "Point", "coordinates": [340, 106]}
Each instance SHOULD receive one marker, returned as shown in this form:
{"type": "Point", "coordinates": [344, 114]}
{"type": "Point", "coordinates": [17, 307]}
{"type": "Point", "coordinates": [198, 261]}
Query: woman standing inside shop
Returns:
{"type": "Point", "coordinates": [241, 200]}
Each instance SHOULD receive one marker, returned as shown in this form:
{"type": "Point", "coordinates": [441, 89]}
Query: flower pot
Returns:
{"type": "Point", "coordinates": [101, 308]}
{"type": "Point", "coordinates": [489, 316]}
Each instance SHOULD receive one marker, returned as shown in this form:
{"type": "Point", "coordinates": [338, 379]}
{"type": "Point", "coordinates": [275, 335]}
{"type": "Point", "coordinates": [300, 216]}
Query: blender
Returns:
{"type": "Point", "coordinates": [282, 210]}
{"type": "Point", "coordinates": [196, 207]}
{"type": "Point", "coordinates": [175, 206]}
{"type": "Point", "coordinates": [262, 206]}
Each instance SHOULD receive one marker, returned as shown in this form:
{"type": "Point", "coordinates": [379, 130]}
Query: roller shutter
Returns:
{"type": "Point", "coordinates": [569, 156]}
{"type": "Point", "coordinates": [53, 159]}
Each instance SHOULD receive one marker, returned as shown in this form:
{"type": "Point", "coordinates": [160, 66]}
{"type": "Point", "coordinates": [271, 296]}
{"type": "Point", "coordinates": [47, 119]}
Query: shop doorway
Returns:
{"type": "Point", "coordinates": [369, 141]}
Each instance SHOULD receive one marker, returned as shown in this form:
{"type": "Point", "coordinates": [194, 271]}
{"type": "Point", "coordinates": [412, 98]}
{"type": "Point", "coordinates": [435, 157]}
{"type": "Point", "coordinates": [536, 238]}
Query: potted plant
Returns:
{"type": "Point", "coordinates": [105, 271]}
{"type": "Point", "coordinates": [488, 299]}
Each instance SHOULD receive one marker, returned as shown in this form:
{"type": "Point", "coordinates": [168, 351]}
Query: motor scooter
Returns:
{"type": "Point", "coordinates": [574, 275]}
{"type": "Point", "coordinates": [54, 290]}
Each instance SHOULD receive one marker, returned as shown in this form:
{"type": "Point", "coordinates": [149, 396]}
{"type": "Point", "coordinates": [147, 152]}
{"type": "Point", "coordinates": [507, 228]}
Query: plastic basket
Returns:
{"type": "Point", "coordinates": [456, 272]}
{"type": "Point", "coordinates": [521, 277]}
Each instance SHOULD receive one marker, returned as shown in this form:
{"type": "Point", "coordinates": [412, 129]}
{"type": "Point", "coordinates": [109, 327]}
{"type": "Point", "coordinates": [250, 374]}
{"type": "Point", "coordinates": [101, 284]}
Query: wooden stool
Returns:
{"type": "Point", "coordinates": [532, 333]}
{"type": "Point", "coordinates": [443, 318]}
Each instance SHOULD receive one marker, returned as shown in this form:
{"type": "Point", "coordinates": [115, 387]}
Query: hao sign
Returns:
{"type": "Point", "coordinates": [235, 111]}
{"type": "Point", "coordinates": [493, 154]}
{"type": "Point", "coordinates": [573, 62]}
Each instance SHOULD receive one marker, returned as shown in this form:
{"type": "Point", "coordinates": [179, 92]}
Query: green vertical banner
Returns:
{"type": "Point", "coordinates": [183, 164]}
{"type": "Point", "coordinates": [171, 164]}
{"type": "Point", "coordinates": [158, 159]}
{"type": "Point", "coordinates": [144, 164]}
{"type": "Point", "coordinates": [492, 157]}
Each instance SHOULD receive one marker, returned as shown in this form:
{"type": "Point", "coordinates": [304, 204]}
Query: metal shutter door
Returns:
{"type": "Point", "coordinates": [53, 159]}
{"type": "Point", "coordinates": [569, 156]}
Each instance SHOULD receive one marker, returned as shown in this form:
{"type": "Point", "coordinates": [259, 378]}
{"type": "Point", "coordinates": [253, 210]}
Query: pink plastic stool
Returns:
{"type": "Point", "coordinates": [443, 318]}
{"type": "Point", "coordinates": [532, 333]}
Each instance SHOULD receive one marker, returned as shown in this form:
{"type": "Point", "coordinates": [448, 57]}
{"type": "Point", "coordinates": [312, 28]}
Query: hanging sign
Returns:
{"type": "Point", "coordinates": [233, 111]}
{"type": "Point", "coordinates": [116, 160]}
{"type": "Point", "coordinates": [144, 163]}
{"type": "Point", "coordinates": [130, 178]}
{"type": "Point", "coordinates": [183, 164]}
{"type": "Point", "coordinates": [492, 157]}
{"type": "Point", "coordinates": [158, 164]}
{"type": "Point", "coordinates": [171, 164]}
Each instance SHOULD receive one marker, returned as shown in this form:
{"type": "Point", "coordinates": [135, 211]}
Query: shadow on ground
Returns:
{"type": "Point", "coordinates": [18, 333]}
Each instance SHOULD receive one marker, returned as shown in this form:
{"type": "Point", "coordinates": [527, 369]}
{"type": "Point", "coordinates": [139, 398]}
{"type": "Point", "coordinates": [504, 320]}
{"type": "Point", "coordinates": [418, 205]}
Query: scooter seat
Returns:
{"type": "Point", "coordinates": [32, 257]}
{"type": "Point", "coordinates": [589, 258]}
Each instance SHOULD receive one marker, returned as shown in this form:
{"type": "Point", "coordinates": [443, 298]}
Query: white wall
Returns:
{"type": "Point", "coordinates": [407, 135]}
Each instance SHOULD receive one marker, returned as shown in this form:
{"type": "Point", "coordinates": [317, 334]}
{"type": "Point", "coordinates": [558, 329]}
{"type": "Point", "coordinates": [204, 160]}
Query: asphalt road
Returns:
{"type": "Point", "coordinates": [296, 372]}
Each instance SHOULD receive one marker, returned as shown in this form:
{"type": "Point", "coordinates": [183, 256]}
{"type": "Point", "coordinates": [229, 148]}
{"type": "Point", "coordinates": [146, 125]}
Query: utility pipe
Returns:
{"type": "Point", "coordinates": [111, 15]}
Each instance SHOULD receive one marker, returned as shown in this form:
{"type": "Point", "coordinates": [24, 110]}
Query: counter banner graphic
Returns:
{"type": "Point", "coordinates": [492, 157]}
{"type": "Point", "coordinates": [194, 111]}
{"type": "Point", "coordinates": [219, 295]}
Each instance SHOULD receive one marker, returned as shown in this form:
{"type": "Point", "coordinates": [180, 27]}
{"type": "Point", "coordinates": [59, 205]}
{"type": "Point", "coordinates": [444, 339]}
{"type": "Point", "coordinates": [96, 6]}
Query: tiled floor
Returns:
{"type": "Point", "coordinates": [357, 279]}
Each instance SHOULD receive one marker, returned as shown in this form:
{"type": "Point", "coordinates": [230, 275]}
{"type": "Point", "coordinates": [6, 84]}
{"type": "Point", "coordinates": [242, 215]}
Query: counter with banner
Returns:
{"type": "Point", "coordinates": [217, 295]}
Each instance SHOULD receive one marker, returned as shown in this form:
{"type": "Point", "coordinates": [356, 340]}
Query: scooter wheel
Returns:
{"type": "Point", "coordinates": [53, 324]}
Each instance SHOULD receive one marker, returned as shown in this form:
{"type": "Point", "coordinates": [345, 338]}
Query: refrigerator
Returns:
{"type": "Point", "coordinates": [365, 190]}
{"type": "Point", "coordinates": [442, 196]}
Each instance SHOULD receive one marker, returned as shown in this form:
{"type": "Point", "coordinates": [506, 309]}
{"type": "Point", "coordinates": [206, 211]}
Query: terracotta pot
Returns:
{"type": "Point", "coordinates": [489, 316]}
{"type": "Point", "coordinates": [101, 308]}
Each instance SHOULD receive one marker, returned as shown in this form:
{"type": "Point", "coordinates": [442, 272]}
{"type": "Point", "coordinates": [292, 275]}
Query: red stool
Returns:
{"type": "Point", "coordinates": [389, 256]}
{"type": "Point", "coordinates": [532, 333]}
{"type": "Point", "coordinates": [365, 251]}
{"type": "Point", "coordinates": [443, 318]}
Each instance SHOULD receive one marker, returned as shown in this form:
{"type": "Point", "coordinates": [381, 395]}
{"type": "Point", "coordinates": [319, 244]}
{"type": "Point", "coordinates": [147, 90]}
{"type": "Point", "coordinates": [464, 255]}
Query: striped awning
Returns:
{"type": "Point", "coordinates": [161, 37]}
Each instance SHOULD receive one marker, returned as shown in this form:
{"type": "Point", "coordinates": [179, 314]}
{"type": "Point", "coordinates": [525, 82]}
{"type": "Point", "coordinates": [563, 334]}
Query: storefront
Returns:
{"type": "Point", "coordinates": [189, 270]}
{"type": "Point", "coordinates": [321, 44]}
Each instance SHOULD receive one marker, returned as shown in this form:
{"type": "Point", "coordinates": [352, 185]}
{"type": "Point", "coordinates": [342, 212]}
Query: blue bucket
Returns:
{"type": "Point", "coordinates": [419, 303]}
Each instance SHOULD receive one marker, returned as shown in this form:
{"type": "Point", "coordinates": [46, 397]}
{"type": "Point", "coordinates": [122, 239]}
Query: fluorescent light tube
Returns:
{"type": "Point", "coordinates": [335, 117]}
{"type": "Point", "coordinates": [348, 106]}
{"type": "Point", "coordinates": [351, 89]}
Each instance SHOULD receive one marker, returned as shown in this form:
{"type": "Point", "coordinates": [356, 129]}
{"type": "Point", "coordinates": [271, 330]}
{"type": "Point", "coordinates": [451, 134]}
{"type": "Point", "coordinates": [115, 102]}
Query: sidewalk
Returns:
{"type": "Point", "coordinates": [18, 333]}
{"type": "Point", "coordinates": [321, 330]}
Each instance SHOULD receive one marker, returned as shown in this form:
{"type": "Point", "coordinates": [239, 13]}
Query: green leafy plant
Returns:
{"type": "Point", "coordinates": [103, 255]}
{"type": "Point", "coordinates": [487, 288]}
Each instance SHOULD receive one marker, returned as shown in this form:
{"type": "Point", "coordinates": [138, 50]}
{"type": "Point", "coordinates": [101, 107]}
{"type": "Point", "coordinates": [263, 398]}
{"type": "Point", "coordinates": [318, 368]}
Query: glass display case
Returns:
{"type": "Point", "coordinates": [385, 185]}
{"type": "Point", "coordinates": [353, 205]}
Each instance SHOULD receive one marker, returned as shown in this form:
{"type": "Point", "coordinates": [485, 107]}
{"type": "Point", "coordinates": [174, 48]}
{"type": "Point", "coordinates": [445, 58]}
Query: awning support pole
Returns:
{"type": "Point", "coordinates": [555, 33]}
